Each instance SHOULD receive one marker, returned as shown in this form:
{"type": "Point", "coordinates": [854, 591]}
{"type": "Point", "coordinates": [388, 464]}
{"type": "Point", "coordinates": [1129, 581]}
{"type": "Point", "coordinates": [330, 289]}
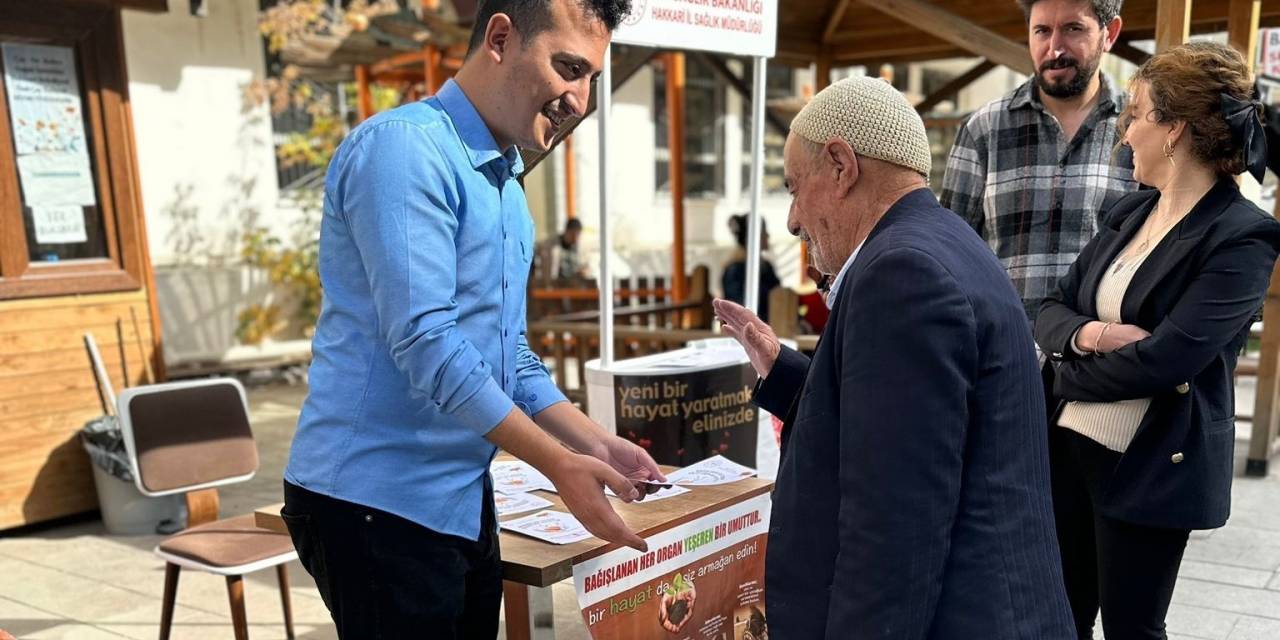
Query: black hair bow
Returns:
{"type": "Point", "coordinates": [1246, 128]}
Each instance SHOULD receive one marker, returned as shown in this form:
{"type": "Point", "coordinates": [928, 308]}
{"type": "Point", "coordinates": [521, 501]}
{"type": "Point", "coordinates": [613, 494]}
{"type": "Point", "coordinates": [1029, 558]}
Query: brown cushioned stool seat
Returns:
{"type": "Point", "coordinates": [227, 543]}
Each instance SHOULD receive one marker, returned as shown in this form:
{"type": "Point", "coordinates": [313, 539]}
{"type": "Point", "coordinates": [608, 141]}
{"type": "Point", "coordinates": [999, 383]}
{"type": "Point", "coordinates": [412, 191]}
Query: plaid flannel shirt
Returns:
{"type": "Point", "coordinates": [1035, 197]}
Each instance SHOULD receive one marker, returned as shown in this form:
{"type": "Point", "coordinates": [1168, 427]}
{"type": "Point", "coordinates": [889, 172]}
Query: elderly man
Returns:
{"type": "Point", "coordinates": [913, 498]}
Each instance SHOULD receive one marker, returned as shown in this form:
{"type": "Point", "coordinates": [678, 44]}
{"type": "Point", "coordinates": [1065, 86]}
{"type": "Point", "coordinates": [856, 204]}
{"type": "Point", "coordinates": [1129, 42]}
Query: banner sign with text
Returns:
{"type": "Point", "coordinates": [1269, 52]}
{"type": "Point", "coordinates": [682, 418]}
{"type": "Point", "coordinates": [703, 580]}
{"type": "Point", "coordinates": [740, 27]}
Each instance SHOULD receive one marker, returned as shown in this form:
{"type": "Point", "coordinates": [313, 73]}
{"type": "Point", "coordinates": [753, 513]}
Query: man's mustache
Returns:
{"type": "Point", "coordinates": [1060, 63]}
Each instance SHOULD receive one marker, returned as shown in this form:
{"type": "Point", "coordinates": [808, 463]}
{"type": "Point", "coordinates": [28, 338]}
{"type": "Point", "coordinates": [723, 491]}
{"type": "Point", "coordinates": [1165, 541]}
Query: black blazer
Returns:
{"type": "Point", "coordinates": [912, 499]}
{"type": "Point", "coordinates": [1197, 293]}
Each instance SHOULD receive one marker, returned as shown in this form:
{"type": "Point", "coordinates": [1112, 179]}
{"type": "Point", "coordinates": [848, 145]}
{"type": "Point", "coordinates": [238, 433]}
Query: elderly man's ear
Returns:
{"type": "Point", "coordinates": [841, 164]}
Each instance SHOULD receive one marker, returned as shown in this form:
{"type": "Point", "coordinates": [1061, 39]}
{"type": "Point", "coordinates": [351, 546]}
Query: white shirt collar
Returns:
{"type": "Point", "coordinates": [835, 284]}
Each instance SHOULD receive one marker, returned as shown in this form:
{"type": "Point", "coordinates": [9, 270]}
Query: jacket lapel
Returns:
{"type": "Point", "coordinates": [1175, 247]}
{"type": "Point", "coordinates": [1122, 231]}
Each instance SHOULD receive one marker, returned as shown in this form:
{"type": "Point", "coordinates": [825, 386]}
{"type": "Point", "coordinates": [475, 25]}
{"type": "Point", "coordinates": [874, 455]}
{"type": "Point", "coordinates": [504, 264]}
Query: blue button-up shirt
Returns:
{"type": "Point", "coordinates": [420, 348]}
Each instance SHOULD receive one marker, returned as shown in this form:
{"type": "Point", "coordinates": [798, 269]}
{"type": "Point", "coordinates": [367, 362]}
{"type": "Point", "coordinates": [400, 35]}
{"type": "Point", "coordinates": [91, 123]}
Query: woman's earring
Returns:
{"type": "Point", "coordinates": [1168, 152]}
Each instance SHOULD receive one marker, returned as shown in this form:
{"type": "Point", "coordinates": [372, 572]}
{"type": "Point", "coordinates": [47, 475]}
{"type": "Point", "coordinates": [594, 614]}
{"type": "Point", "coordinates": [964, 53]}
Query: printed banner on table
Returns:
{"type": "Point", "coordinates": [703, 580]}
{"type": "Point", "coordinates": [48, 125]}
{"type": "Point", "coordinates": [683, 418]}
{"type": "Point", "coordinates": [742, 27]}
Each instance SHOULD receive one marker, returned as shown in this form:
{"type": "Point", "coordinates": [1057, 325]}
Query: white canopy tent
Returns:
{"type": "Point", "coordinates": [739, 27]}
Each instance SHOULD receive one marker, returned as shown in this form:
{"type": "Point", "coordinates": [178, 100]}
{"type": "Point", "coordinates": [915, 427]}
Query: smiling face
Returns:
{"type": "Point", "coordinates": [547, 78]}
{"type": "Point", "coordinates": [1144, 133]}
{"type": "Point", "coordinates": [1066, 44]}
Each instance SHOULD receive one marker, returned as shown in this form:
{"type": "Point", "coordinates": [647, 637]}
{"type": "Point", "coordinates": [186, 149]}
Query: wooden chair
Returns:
{"type": "Point", "coordinates": [192, 437]}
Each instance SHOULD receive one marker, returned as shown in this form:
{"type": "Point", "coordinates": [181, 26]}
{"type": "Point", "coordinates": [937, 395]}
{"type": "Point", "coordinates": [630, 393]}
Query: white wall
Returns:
{"type": "Point", "coordinates": [642, 219]}
{"type": "Point", "coordinates": [206, 163]}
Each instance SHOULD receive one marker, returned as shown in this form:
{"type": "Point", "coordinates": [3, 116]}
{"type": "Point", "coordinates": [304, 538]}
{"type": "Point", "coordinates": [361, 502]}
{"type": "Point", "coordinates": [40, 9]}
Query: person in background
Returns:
{"type": "Point", "coordinates": [734, 279]}
{"type": "Point", "coordinates": [1144, 331]}
{"type": "Point", "coordinates": [421, 368]}
{"type": "Point", "coordinates": [559, 262]}
{"type": "Point", "coordinates": [1032, 171]}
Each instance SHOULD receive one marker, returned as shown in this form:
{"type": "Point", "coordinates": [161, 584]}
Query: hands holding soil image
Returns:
{"type": "Point", "coordinates": [676, 607]}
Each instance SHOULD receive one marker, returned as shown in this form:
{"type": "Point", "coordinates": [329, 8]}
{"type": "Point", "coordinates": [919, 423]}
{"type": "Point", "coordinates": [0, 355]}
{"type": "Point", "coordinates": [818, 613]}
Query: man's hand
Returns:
{"type": "Point", "coordinates": [579, 478]}
{"type": "Point", "coordinates": [632, 461]}
{"type": "Point", "coordinates": [580, 481]}
{"type": "Point", "coordinates": [752, 333]}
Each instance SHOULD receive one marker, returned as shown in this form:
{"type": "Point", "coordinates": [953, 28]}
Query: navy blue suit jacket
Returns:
{"type": "Point", "coordinates": [912, 500]}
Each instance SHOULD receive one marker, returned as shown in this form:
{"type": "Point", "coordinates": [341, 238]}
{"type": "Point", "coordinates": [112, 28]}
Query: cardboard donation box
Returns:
{"type": "Point", "coordinates": [686, 405]}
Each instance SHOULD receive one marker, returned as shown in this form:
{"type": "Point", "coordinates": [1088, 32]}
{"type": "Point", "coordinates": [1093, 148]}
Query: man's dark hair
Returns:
{"type": "Point", "coordinates": [573, 224]}
{"type": "Point", "coordinates": [1105, 10]}
{"type": "Point", "coordinates": [531, 17]}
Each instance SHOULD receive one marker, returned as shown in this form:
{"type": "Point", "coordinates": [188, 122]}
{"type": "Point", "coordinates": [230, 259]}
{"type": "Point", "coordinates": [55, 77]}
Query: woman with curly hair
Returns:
{"type": "Point", "coordinates": [1144, 331]}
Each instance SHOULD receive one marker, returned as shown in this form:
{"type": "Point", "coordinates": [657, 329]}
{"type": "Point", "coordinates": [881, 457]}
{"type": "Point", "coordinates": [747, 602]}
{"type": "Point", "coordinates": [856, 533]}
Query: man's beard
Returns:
{"type": "Point", "coordinates": [1078, 83]}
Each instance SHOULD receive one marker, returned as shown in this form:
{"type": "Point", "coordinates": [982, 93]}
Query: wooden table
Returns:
{"type": "Point", "coordinates": [528, 562]}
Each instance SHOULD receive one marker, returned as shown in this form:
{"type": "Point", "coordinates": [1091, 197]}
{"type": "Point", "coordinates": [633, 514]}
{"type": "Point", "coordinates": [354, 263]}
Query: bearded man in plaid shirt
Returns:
{"type": "Point", "coordinates": [1033, 171]}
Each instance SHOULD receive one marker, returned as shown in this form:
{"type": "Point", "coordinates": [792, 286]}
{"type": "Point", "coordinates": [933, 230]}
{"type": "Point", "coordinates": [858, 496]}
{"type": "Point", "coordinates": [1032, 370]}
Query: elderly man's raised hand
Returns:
{"type": "Point", "coordinates": [751, 332]}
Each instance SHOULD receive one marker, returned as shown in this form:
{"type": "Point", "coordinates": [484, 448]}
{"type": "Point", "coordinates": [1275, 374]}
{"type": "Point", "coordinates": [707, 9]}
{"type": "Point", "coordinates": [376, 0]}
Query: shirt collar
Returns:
{"type": "Point", "coordinates": [1028, 96]}
{"type": "Point", "coordinates": [482, 149]}
{"type": "Point", "coordinates": [835, 284]}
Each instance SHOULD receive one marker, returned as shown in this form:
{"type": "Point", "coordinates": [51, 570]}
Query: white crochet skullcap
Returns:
{"type": "Point", "coordinates": [870, 115]}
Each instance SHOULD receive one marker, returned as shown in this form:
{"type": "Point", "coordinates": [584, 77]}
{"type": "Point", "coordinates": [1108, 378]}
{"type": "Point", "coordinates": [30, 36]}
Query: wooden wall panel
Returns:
{"type": "Point", "coordinates": [48, 392]}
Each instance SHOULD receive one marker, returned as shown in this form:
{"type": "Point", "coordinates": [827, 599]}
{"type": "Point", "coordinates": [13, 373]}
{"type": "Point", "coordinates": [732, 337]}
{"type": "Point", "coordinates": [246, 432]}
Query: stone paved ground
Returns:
{"type": "Point", "coordinates": [75, 581]}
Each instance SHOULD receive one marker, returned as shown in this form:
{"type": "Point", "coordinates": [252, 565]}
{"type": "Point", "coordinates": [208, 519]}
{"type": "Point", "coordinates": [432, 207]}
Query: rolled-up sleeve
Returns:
{"type": "Point", "coordinates": [400, 206]}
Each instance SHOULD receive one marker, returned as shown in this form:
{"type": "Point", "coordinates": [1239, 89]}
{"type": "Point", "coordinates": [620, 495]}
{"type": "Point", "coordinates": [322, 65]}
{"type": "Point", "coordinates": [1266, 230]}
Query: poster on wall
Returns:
{"type": "Point", "coordinates": [59, 225]}
{"type": "Point", "coordinates": [684, 417]}
{"type": "Point", "coordinates": [703, 580]}
{"type": "Point", "coordinates": [1269, 52]}
{"type": "Point", "coordinates": [47, 120]}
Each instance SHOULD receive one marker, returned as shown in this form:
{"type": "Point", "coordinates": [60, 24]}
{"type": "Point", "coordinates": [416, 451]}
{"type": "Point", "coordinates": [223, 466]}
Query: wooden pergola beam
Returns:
{"type": "Point", "coordinates": [399, 60]}
{"type": "Point", "coordinates": [1126, 51]}
{"type": "Point", "coordinates": [1243, 18]}
{"type": "Point", "coordinates": [737, 84]}
{"type": "Point", "coordinates": [1173, 23]}
{"type": "Point", "coordinates": [951, 88]}
{"type": "Point", "coordinates": [364, 95]}
{"type": "Point", "coordinates": [675, 80]}
{"type": "Point", "coordinates": [963, 33]}
{"type": "Point", "coordinates": [834, 20]}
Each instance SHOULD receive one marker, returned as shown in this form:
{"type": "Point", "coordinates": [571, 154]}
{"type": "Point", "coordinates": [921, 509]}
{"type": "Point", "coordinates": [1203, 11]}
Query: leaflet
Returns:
{"type": "Point", "coordinates": [712, 471]}
{"type": "Point", "coordinates": [507, 504]}
{"type": "Point", "coordinates": [667, 491]}
{"type": "Point", "coordinates": [516, 476]}
{"type": "Point", "coordinates": [550, 526]}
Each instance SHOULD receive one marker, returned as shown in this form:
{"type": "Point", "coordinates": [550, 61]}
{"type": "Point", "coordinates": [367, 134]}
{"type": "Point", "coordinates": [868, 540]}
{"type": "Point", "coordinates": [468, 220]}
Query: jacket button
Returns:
{"type": "Point", "coordinates": [1183, 388]}
{"type": "Point", "coordinates": [1177, 457]}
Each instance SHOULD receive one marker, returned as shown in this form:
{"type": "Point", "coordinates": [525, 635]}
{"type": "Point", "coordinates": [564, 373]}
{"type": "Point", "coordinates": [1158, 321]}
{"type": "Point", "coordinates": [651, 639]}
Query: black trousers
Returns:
{"type": "Point", "coordinates": [1128, 570]}
{"type": "Point", "coordinates": [383, 576]}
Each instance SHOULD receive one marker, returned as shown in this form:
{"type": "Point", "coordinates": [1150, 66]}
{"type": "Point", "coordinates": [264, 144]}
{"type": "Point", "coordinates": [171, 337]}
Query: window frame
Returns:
{"type": "Point", "coordinates": [95, 34]}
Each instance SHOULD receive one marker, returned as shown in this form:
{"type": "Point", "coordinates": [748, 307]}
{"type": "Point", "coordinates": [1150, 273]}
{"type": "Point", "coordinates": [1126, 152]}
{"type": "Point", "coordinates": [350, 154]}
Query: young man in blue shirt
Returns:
{"type": "Point", "coordinates": [421, 367]}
